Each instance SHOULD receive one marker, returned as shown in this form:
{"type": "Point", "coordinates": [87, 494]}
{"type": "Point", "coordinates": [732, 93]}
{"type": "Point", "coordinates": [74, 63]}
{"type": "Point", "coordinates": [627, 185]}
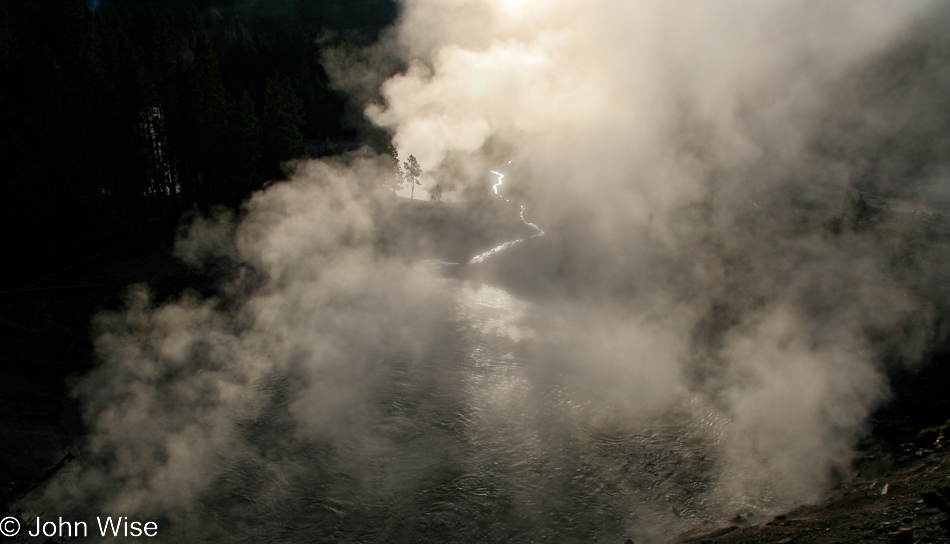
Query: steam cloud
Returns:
{"type": "Point", "coordinates": [683, 158]}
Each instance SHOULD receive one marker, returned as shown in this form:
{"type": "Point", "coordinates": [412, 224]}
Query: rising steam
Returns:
{"type": "Point", "coordinates": [687, 160]}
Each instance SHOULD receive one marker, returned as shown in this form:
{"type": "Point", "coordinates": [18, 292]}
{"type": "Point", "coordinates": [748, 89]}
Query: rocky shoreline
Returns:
{"type": "Point", "coordinates": [889, 497]}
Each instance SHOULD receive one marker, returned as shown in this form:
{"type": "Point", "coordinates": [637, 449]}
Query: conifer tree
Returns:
{"type": "Point", "coordinates": [412, 173]}
{"type": "Point", "coordinates": [395, 182]}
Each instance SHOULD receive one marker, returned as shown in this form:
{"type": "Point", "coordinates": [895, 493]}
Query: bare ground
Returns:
{"type": "Point", "coordinates": [888, 498]}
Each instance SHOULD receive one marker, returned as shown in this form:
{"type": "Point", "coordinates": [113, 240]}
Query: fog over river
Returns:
{"type": "Point", "coordinates": [702, 331]}
{"type": "Point", "coordinates": [468, 429]}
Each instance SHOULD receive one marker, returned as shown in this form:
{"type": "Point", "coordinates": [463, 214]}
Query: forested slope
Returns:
{"type": "Point", "coordinates": [119, 119]}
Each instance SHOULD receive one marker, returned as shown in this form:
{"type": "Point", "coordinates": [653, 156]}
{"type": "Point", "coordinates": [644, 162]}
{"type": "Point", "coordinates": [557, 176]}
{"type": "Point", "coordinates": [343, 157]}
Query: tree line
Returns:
{"type": "Point", "coordinates": [116, 121]}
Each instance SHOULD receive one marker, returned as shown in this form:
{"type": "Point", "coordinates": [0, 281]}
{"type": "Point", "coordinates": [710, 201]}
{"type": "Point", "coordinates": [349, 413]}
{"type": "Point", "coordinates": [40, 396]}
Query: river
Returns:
{"type": "Point", "coordinates": [476, 436]}
{"type": "Point", "coordinates": [477, 443]}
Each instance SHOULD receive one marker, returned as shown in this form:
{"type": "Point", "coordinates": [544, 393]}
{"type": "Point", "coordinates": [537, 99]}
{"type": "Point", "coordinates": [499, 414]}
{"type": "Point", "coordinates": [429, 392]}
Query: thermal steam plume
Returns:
{"type": "Point", "coordinates": [707, 264]}
{"type": "Point", "coordinates": [676, 153]}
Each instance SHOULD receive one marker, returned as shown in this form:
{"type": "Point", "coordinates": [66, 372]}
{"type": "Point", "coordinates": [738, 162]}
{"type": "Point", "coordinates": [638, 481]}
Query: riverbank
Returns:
{"type": "Point", "coordinates": [449, 231]}
{"type": "Point", "coordinates": [890, 497]}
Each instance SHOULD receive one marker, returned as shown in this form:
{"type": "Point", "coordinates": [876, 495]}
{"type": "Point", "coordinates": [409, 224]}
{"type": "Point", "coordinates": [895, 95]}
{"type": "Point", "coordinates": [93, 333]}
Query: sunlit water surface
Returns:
{"type": "Point", "coordinates": [476, 439]}
{"type": "Point", "coordinates": [477, 443]}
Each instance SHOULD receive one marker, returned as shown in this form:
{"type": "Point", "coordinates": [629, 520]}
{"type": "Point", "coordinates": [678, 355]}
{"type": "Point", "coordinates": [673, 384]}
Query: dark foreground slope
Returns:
{"type": "Point", "coordinates": [891, 497]}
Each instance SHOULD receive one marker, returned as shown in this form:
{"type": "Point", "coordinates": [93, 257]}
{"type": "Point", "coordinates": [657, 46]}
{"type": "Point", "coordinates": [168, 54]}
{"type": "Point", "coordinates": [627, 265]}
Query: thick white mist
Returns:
{"type": "Point", "coordinates": [670, 151]}
{"type": "Point", "coordinates": [652, 139]}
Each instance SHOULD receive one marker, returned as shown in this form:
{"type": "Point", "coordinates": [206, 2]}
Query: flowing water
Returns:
{"type": "Point", "coordinates": [476, 443]}
{"type": "Point", "coordinates": [474, 438]}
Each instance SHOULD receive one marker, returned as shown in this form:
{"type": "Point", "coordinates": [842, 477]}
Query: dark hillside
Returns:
{"type": "Point", "coordinates": [119, 120]}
